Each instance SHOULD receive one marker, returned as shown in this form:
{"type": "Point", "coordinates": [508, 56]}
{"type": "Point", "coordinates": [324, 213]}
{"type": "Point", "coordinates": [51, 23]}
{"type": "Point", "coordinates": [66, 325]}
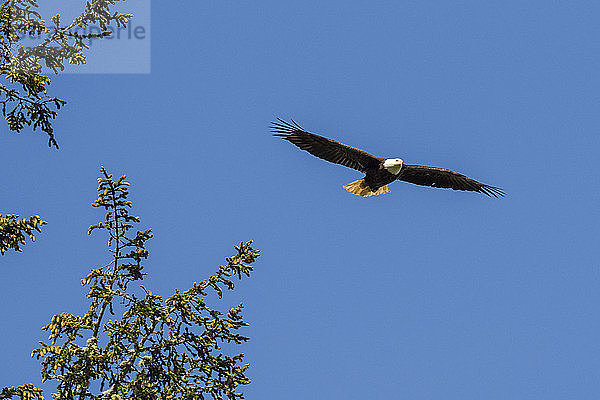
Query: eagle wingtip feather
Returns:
{"type": "Point", "coordinates": [492, 191]}
{"type": "Point", "coordinates": [284, 129]}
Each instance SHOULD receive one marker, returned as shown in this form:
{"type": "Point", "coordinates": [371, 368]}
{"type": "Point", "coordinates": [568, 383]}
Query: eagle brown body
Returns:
{"type": "Point", "coordinates": [375, 182]}
{"type": "Point", "coordinates": [379, 172]}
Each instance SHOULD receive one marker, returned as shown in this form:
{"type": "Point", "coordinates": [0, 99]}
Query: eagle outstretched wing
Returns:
{"type": "Point", "coordinates": [444, 178]}
{"type": "Point", "coordinates": [324, 148]}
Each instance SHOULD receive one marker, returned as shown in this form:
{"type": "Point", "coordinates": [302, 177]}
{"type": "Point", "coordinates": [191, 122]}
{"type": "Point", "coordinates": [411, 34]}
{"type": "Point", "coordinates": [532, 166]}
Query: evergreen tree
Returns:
{"type": "Point", "coordinates": [25, 100]}
{"type": "Point", "coordinates": [178, 347]}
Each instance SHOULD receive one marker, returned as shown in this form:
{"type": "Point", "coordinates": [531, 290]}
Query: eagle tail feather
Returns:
{"type": "Point", "coordinates": [361, 188]}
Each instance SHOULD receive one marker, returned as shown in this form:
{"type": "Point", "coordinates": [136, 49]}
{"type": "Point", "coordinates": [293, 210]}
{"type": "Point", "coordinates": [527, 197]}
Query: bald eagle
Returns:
{"type": "Point", "coordinates": [379, 172]}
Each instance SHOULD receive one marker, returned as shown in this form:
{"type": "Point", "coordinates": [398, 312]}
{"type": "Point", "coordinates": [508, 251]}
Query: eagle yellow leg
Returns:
{"type": "Point", "coordinates": [361, 188]}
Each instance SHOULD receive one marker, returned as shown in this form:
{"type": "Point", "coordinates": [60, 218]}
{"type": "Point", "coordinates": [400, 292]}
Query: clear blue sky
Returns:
{"type": "Point", "coordinates": [418, 294]}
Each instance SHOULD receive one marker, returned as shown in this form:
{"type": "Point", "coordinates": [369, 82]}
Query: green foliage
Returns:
{"type": "Point", "coordinates": [13, 231]}
{"type": "Point", "coordinates": [25, 100]}
{"type": "Point", "coordinates": [24, 392]}
{"type": "Point", "coordinates": [153, 348]}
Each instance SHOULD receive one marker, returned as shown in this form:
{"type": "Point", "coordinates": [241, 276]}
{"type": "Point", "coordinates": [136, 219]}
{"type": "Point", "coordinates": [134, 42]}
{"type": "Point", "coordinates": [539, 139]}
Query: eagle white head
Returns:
{"type": "Point", "coordinates": [393, 165]}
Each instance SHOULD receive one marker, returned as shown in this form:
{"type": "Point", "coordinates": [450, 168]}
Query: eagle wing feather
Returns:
{"type": "Point", "coordinates": [324, 148]}
{"type": "Point", "coordinates": [444, 178]}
